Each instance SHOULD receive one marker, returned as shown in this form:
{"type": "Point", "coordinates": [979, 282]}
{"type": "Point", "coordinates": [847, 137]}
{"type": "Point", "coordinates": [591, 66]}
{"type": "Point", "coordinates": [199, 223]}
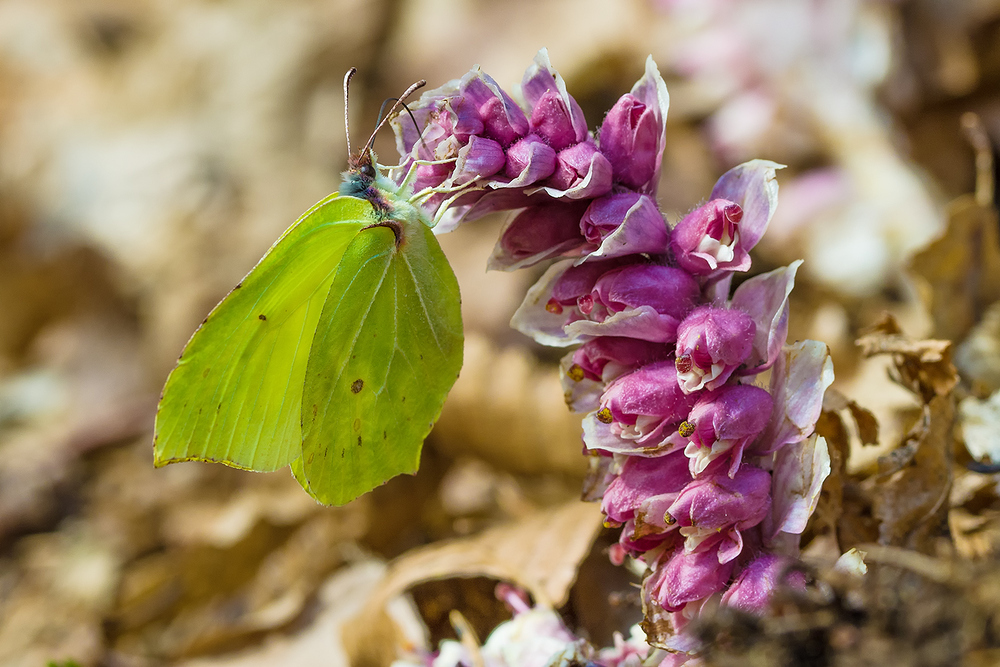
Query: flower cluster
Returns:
{"type": "Point", "coordinates": [711, 475]}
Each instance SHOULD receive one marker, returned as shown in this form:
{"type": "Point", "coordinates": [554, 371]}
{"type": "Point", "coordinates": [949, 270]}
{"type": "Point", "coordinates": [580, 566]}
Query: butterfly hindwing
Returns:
{"type": "Point", "coordinates": [235, 395]}
{"type": "Point", "coordinates": [386, 352]}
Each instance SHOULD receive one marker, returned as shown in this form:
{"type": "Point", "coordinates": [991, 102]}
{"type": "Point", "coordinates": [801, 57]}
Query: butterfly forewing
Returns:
{"type": "Point", "coordinates": [235, 395]}
{"type": "Point", "coordinates": [386, 352]}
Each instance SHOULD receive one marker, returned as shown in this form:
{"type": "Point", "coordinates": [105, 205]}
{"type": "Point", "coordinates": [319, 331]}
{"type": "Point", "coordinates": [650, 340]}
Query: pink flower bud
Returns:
{"type": "Point", "coordinates": [530, 160]}
{"type": "Point", "coordinates": [724, 422]}
{"type": "Point", "coordinates": [630, 139]}
{"type": "Point", "coordinates": [608, 357]}
{"type": "Point", "coordinates": [581, 171]}
{"type": "Point", "coordinates": [644, 301]}
{"type": "Point", "coordinates": [715, 504]}
{"type": "Point", "coordinates": [625, 223]}
{"type": "Point", "coordinates": [538, 233]}
{"type": "Point", "coordinates": [688, 576]}
{"type": "Point", "coordinates": [578, 281]}
{"type": "Point", "coordinates": [711, 344]}
{"type": "Point", "coordinates": [644, 478]}
{"type": "Point", "coordinates": [555, 115]}
{"type": "Point", "coordinates": [551, 120]}
{"type": "Point", "coordinates": [480, 158]}
{"type": "Point", "coordinates": [752, 590]}
{"type": "Point", "coordinates": [639, 413]}
{"type": "Point", "coordinates": [503, 121]}
{"type": "Point", "coordinates": [708, 239]}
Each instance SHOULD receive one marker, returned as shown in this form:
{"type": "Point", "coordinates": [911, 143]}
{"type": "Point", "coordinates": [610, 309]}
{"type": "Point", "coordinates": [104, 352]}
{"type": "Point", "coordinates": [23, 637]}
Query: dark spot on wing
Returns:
{"type": "Point", "coordinates": [385, 435]}
{"type": "Point", "coordinates": [359, 441]}
{"type": "Point", "coordinates": [404, 399]}
{"type": "Point", "coordinates": [342, 452]}
{"type": "Point", "coordinates": [239, 285]}
{"type": "Point", "coordinates": [315, 410]}
{"type": "Point", "coordinates": [262, 317]}
{"type": "Point", "coordinates": [205, 372]}
{"type": "Point", "coordinates": [357, 385]}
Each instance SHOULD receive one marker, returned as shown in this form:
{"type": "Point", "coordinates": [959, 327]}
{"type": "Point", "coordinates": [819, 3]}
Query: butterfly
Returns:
{"type": "Point", "coordinates": [334, 354]}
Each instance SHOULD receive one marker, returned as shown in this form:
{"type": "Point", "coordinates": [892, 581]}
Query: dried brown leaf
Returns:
{"type": "Point", "coordinates": [540, 553]}
{"type": "Point", "coordinates": [922, 366]}
{"type": "Point", "coordinates": [959, 273]}
{"type": "Point", "coordinates": [911, 501]}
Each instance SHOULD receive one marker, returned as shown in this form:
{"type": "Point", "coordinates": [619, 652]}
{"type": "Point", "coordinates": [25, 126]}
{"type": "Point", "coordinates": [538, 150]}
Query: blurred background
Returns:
{"type": "Point", "coordinates": [151, 151]}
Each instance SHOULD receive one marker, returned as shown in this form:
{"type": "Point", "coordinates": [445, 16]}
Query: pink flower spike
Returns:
{"type": "Point", "coordinates": [711, 344]}
{"type": "Point", "coordinates": [724, 423]}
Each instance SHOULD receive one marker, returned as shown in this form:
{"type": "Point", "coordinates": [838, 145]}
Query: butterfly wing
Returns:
{"type": "Point", "coordinates": [387, 350]}
{"type": "Point", "coordinates": [235, 395]}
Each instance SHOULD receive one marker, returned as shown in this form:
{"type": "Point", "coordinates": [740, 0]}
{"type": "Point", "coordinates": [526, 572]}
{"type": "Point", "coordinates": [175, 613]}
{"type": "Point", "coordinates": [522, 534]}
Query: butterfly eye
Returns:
{"type": "Point", "coordinates": [367, 171]}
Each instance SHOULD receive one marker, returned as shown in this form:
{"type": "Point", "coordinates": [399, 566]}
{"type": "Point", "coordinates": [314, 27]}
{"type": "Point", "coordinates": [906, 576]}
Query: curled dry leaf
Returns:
{"type": "Point", "coordinates": [540, 553]}
{"type": "Point", "coordinates": [922, 366]}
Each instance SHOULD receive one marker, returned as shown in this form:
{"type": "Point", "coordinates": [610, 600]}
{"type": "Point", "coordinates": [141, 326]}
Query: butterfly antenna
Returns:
{"type": "Point", "coordinates": [347, 115]}
{"type": "Point", "coordinates": [399, 101]}
{"type": "Point", "coordinates": [408, 112]}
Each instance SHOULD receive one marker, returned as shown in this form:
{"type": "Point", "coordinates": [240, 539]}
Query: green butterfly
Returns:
{"type": "Point", "coordinates": [333, 355]}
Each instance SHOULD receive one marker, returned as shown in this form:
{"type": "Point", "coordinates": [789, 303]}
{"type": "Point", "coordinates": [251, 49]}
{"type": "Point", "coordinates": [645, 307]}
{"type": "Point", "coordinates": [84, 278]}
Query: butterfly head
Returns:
{"type": "Point", "coordinates": [360, 181]}
{"type": "Point", "coordinates": [362, 172]}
